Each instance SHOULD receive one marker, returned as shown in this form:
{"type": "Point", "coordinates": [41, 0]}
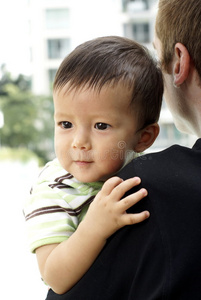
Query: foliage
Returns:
{"type": "Point", "coordinates": [28, 119]}
{"type": "Point", "coordinates": [20, 154]}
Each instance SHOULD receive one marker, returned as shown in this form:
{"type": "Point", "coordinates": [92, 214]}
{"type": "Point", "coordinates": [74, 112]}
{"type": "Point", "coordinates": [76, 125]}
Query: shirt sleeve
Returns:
{"type": "Point", "coordinates": [49, 217]}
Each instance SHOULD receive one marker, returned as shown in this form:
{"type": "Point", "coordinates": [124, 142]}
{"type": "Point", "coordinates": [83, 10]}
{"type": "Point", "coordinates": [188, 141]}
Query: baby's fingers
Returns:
{"type": "Point", "coordinates": [132, 199]}
{"type": "Point", "coordinates": [124, 186]}
{"type": "Point", "coordinates": [110, 184]}
{"type": "Point", "coordinates": [130, 219]}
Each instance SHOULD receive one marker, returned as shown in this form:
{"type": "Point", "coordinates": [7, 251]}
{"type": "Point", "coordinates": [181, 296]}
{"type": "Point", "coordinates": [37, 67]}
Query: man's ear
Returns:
{"type": "Point", "coordinates": [181, 64]}
{"type": "Point", "coordinates": [147, 137]}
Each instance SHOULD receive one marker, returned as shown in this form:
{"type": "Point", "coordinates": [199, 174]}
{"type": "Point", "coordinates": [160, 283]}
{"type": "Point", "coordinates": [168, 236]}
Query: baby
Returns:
{"type": "Point", "coordinates": [107, 99]}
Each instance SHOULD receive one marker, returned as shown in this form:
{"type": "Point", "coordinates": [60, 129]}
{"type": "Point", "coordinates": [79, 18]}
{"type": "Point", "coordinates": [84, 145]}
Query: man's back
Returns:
{"type": "Point", "coordinates": [161, 257]}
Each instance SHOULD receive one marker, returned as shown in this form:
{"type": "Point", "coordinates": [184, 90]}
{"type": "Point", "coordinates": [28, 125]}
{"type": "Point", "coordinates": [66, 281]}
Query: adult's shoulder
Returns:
{"type": "Point", "coordinates": [161, 162]}
{"type": "Point", "coordinates": [149, 162]}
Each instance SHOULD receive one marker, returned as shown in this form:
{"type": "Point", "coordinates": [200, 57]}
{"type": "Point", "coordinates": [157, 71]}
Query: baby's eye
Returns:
{"type": "Point", "coordinates": [66, 124]}
{"type": "Point", "coordinates": [101, 126]}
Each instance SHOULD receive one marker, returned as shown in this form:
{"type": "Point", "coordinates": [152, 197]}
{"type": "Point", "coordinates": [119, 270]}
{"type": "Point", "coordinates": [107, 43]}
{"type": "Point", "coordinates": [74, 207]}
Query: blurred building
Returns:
{"type": "Point", "coordinates": [58, 26]}
{"type": "Point", "coordinates": [139, 16]}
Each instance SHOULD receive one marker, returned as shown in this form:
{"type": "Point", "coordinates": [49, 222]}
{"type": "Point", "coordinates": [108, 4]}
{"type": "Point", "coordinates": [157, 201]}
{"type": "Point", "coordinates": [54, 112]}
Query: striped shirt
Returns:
{"type": "Point", "coordinates": [57, 204]}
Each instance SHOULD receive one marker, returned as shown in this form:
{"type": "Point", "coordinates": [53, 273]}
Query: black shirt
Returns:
{"type": "Point", "coordinates": [159, 258]}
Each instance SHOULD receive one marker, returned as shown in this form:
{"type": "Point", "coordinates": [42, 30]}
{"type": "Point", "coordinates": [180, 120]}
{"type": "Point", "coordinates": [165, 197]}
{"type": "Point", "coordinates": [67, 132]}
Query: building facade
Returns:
{"type": "Point", "coordinates": [58, 26]}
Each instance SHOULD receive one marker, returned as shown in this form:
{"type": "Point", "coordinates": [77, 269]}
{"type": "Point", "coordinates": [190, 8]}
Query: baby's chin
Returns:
{"type": "Point", "coordinates": [90, 179]}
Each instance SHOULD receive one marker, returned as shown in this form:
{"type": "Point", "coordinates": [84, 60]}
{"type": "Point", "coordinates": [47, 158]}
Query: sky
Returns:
{"type": "Point", "coordinates": [13, 36]}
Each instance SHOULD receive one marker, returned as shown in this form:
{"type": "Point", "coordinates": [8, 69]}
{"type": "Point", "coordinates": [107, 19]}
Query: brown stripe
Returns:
{"type": "Point", "coordinates": [57, 208]}
{"type": "Point", "coordinates": [48, 210]}
{"type": "Point", "coordinates": [59, 181]}
{"type": "Point", "coordinates": [79, 208]}
{"type": "Point", "coordinates": [66, 176]}
{"type": "Point", "coordinates": [60, 186]}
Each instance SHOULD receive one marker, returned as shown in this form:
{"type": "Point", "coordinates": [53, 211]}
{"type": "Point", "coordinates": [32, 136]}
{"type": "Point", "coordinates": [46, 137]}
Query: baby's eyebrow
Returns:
{"type": "Point", "coordinates": [61, 115]}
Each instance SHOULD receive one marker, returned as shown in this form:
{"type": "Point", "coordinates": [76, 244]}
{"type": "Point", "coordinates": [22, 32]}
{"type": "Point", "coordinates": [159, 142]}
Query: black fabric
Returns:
{"type": "Point", "coordinates": [161, 257]}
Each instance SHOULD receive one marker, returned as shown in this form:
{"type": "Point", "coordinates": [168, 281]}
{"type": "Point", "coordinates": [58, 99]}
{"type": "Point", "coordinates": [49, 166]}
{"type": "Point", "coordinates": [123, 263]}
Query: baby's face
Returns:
{"type": "Point", "coordinates": [94, 131]}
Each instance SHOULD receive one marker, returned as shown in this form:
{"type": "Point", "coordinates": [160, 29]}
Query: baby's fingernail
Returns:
{"type": "Point", "coordinates": [137, 179]}
{"type": "Point", "coordinates": [144, 192]}
{"type": "Point", "coordinates": [147, 214]}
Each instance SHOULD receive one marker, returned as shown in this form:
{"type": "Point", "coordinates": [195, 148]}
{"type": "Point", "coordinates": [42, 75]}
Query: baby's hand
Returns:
{"type": "Point", "coordinates": [107, 213]}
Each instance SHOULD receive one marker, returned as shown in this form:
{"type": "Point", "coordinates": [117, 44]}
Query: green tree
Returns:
{"type": "Point", "coordinates": [28, 119]}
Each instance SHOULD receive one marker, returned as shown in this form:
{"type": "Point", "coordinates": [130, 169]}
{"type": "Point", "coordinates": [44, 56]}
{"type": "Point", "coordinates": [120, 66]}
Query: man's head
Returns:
{"type": "Point", "coordinates": [178, 21]}
{"type": "Point", "coordinates": [178, 43]}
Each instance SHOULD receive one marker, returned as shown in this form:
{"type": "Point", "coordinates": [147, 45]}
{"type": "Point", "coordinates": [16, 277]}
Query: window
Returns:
{"type": "Point", "coordinates": [58, 48]}
{"type": "Point", "coordinates": [135, 5]}
{"type": "Point", "coordinates": [141, 32]}
{"type": "Point", "coordinates": [57, 18]}
{"type": "Point", "coordinates": [138, 31]}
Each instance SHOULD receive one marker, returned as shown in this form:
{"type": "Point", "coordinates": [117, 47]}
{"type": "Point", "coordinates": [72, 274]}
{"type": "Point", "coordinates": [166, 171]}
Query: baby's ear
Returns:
{"type": "Point", "coordinates": [147, 137]}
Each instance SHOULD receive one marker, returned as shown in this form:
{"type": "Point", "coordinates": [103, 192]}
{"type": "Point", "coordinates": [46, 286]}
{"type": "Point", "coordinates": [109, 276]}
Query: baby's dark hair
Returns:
{"type": "Point", "coordinates": [116, 60]}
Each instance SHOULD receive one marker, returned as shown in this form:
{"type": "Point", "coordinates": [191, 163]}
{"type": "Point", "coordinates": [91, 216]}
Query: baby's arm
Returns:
{"type": "Point", "coordinates": [62, 265]}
